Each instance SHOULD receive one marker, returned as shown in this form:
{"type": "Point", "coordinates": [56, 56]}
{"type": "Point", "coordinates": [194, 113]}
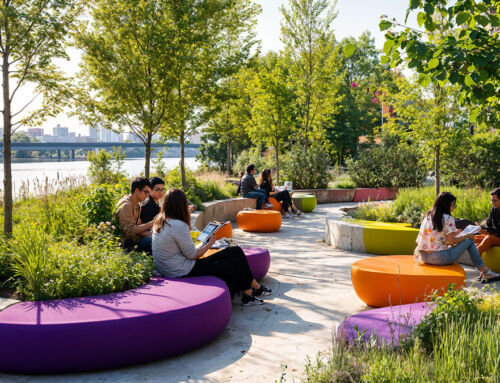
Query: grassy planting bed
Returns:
{"type": "Point", "coordinates": [459, 341]}
{"type": "Point", "coordinates": [412, 203]}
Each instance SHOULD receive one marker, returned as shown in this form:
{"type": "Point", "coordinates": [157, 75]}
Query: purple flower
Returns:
{"type": "Point", "coordinates": [354, 84]}
{"type": "Point", "coordinates": [375, 100]}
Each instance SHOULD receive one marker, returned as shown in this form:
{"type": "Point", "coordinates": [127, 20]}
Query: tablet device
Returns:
{"type": "Point", "coordinates": [210, 229]}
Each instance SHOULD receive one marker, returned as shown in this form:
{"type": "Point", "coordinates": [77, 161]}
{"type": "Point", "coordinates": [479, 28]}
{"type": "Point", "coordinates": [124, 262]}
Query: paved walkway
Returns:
{"type": "Point", "coordinates": [312, 293]}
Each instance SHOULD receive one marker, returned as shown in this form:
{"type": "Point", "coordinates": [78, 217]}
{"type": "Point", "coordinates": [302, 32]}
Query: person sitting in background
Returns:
{"type": "Point", "coordinates": [249, 188]}
{"type": "Point", "coordinates": [176, 256]}
{"type": "Point", "coordinates": [266, 183]}
{"type": "Point", "coordinates": [438, 242]}
{"type": "Point", "coordinates": [489, 235]}
{"type": "Point", "coordinates": [240, 176]}
{"type": "Point", "coordinates": [128, 213]}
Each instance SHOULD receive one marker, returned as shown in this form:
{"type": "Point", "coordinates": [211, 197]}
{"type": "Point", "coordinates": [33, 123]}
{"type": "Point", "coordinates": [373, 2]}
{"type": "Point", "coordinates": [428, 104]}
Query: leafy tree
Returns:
{"type": "Point", "coordinates": [32, 33]}
{"type": "Point", "coordinates": [206, 33]}
{"type": "Point", "coordinates": [127, 60]}
{"type": "Point", "coordinates": [20, 137]}
{"type": "Point", "coordinates": [307, 35]}
{"type": "Point", "coordinates": [273, 103]}
{"type": "Point", "coordinates": [459, 44]}
{"type": "Point", "coordinates": [429, 118]}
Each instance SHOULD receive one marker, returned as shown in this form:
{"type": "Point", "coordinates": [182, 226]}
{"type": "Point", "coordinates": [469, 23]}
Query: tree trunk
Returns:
{"type": "Point", "coordinates": [276, 158]}
{"type": "Point", "coordinates": [436, 169]}
{"type": "Point", "coordinates": [181, 163]}
{"type": "Point", "coordinates": [229, 156]}
{"type": "Point", "coordinates": [147, 162]}
{"type": "Point", "coordinates": [7, 152]}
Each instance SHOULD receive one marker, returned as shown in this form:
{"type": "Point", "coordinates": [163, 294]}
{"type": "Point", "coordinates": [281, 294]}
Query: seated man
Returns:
{"type": "Point", "coordinates": [249, 188]}
{"type": "Point", "coordinates": [128, 212]}
{"type": "Point", "coordinates": [490, 228]}
{"type": "Point", "coordinates": [151, 206]}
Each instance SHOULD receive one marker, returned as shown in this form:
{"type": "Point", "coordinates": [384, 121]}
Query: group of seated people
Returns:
{"type": "Point", "coordinates": [264, 189]}
{"type": "Point", "coordinates": [439, 241]}
{"type": "Point", "coordinates": [165, 231]}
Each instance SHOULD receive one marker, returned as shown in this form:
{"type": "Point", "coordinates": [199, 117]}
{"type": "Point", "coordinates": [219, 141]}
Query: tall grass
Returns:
{"type": "Point", "coordinates": [464, 348]}
{"type": "Point", "coordinates": [412, 203]}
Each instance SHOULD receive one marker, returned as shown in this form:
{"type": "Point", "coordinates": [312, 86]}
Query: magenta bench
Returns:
{"type": "Point", "coordinates": [163, 318]}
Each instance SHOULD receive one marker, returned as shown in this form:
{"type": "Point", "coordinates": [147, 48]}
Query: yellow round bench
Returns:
{"type": "Point", "coordinates": [261, 221]}
{"type": "Point", "coordinates": [398, 279]}
{"type": "Point", "coordinates": [491, 258]}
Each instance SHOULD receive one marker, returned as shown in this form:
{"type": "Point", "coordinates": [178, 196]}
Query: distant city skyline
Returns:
{"type": "Point", "coordinates": [354, 17]}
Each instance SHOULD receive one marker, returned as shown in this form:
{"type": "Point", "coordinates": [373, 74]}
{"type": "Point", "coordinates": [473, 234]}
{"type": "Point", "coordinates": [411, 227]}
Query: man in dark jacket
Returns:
{"type": "Point", "coordinates": [250, 189]}
{"type": "Point", "coordinates": [490, 227]}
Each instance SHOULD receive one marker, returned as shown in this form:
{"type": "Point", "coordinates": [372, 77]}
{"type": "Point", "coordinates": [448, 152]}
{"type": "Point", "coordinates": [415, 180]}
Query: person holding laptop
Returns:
{"type": "Point", "coordinates": [176, 256]}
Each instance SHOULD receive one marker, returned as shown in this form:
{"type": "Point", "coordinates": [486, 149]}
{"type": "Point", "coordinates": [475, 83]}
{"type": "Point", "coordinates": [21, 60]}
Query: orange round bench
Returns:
{"type": "Point", "coordinates": [261, 221]}
{"type": "Point", "coordinates": [225, 231]}
{"type": "Point", "coordinates": [276, 205]}
{"type": "Point", "coordinates": [398, 279]}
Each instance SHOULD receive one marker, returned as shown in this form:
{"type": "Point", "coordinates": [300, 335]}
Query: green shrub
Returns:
{"type": "Point", "coordinates": [6, 272]}
{"type": "Point", "coordinates": [309, 171]}
{"type": "Point", "coordinates": [106, 167]}
{"type": "Point", "coordinates": [99, 203]}
{"type": "Point", "coordinates": [254, 156]}
{"type": "Point", "coordinates": [474, 161]}
{"type": "Point", "coordinates": [397, 166]}
{"type": "Point", "coordinates": [343, 181]}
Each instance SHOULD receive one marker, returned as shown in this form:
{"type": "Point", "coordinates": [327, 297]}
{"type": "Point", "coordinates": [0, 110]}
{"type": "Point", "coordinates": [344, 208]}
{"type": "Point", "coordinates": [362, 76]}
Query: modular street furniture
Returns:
{"type": "Point", "coordinates": [389, 325]}
{"type": "Point", "coordinates": [276, 205]}
{"type": "Point", "coordinates": [304, 202]}
{"type": "Point", "coordinates": [398, 279]}
{"type": "Point", "coordinates": [491, 258]}
{"type": "Point", "coordinates": [260, 221]}
{"type": "Point", "coordinates": [162, 318]}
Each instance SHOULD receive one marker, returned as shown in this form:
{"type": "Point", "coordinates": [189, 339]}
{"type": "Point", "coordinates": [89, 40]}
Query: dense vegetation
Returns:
{"type": "Point", "coordinates": [459, 341]}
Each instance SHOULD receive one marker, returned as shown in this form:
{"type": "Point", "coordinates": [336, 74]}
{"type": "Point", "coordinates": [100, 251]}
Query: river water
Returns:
{"type": "Point", "coordinates": [30, 171]}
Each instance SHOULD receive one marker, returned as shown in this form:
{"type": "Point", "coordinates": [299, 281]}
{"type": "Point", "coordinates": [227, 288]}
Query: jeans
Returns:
{"type": "Point", "coordinates": [144, 244]}
{"type": "Point", "coordinates": [259, 194]}
{"type": "Point", "coordinates": [447, 257]}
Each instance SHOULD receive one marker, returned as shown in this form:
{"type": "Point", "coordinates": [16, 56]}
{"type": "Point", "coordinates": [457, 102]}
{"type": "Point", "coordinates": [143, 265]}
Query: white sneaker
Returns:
{"type": "Point", "coordinates": [268, 205]}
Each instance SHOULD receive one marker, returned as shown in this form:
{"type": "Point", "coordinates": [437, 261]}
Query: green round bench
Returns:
{"type": "Point", "coordinates": [491, 258]}
{"type": "Point", "coordinates": [304, 202]}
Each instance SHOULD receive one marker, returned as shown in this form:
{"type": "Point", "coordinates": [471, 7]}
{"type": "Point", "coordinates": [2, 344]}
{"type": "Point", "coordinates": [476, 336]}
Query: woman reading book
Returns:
{"type": "Point", "coordinates": [439, 243]}
{"type": "Point", "coordinates": [176, 256]}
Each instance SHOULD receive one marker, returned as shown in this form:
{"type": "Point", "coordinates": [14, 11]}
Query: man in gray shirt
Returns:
{"type": "Point", "coordinates": [249, 188]}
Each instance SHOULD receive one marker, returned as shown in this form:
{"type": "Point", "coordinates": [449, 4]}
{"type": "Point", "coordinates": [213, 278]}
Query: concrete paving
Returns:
{"type": "Point", "coordinates": [312, 293]}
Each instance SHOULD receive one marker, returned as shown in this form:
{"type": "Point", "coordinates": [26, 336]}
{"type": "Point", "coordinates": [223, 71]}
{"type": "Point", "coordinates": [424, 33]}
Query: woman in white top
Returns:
{"type": "Point", "coordinates": [437, 241]}
{"type": "Point", "coordinates": [175, 255]}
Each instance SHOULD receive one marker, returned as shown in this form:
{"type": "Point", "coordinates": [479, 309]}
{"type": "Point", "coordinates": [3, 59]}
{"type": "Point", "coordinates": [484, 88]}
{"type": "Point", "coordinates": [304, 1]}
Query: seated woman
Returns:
{"type": "Point", "coordinates": [438, 243]}
{"type": "Point", "coordinates": [175, 255]}
{"type": "Point", "coordinates": [266, 183]}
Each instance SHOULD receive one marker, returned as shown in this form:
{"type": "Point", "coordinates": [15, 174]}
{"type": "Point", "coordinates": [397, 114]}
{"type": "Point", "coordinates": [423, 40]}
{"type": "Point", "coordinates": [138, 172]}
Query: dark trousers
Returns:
{"type": "Point", "coordinates": [284, 198]}
{"type": "Point", "coordinates": [230, 265]}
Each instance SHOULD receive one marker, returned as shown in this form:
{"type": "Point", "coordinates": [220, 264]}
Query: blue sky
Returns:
{"type": "Point", "coordinates": [354, 17]}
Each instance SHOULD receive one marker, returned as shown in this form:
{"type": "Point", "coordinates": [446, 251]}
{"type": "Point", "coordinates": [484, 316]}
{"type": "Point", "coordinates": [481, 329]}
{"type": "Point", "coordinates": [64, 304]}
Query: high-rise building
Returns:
{"type": "Point", "coordinates": [60, 131]}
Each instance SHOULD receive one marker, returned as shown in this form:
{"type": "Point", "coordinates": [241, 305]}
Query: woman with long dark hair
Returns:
{"type": "Point", "coordinates": [266, 183]}
{"type": "Point", "coordinates": [438, 243]}
{"type": "Point", "coordinates": [176, 256]}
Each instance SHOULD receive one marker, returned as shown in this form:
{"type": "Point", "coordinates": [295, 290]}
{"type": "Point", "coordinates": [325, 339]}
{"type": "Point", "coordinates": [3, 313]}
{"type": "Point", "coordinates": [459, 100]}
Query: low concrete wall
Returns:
{"type": "Point", "coordinates": [330, 195]}
{"type": "Point", "coordinates": [343, 235]}
{"type": "Point", "coordinates": [223, 210]}
{"type": "Point", "coordinates": [374, 194]}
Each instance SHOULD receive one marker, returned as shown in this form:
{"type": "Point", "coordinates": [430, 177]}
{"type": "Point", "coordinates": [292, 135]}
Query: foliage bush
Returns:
{"type": "Point", "coordinates": [106, 167]}
{"type": "Point", "coordinates": [474, 161]}
{"type": "Point", "coordinates": [48, 269]}
{"type": "Point", "coordinates": [343, 182]}
{"type": "Point", "coordinates": [309, 171]}
{"type": "Point", "coordinates": [380, 166]}
{"type": "Point", "coordinates": [99, 203]}
{"type": "Point", "coordinates": [411, 204]}
{"type": "Point", "coordinates": [254, 156]}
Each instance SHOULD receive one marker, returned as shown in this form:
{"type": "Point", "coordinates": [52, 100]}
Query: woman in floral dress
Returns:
{"type": "Point", "coordinates": [438, 243]}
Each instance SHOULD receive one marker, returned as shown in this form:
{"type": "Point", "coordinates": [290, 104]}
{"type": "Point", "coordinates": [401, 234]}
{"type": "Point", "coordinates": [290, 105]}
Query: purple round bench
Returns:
{"type": "Point", "coordinates": [259, 261]}
{"type": "Point", "coordinates": [162, 318]}
{"type": "Point", "coordinates": [389, 324]}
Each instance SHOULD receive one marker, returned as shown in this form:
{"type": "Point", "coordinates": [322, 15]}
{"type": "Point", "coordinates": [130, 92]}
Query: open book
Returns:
{"type": "Point", "coordinates": [470, 229]}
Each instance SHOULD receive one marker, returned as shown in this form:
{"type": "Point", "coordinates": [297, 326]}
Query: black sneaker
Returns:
{"type": "Point", "coordinates": [248, 300]}
{"type": "Point", "coordinates": [262, 291]}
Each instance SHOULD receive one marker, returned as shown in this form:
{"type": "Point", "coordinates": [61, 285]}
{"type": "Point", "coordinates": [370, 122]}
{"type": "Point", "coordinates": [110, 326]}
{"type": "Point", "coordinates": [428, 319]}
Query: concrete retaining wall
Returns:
{"type": "Point", "coordinates": [343, 235]}
{"type": "Point", "coordinates": [330, 195]}
{"type": "Point", "coordinates": [223, 210]}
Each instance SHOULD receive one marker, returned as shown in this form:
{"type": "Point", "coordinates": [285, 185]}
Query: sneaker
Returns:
{"type": "Point", "coordinates": [268, 205]}
{"type": "Point", "coordinates": [298, 212]}
{"type": "Point", "coordinates": [250, 300]}
{"type": "Point", "coordinates": [262, 291]}
{"type": "Point", "coordinates": [287, 215]}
